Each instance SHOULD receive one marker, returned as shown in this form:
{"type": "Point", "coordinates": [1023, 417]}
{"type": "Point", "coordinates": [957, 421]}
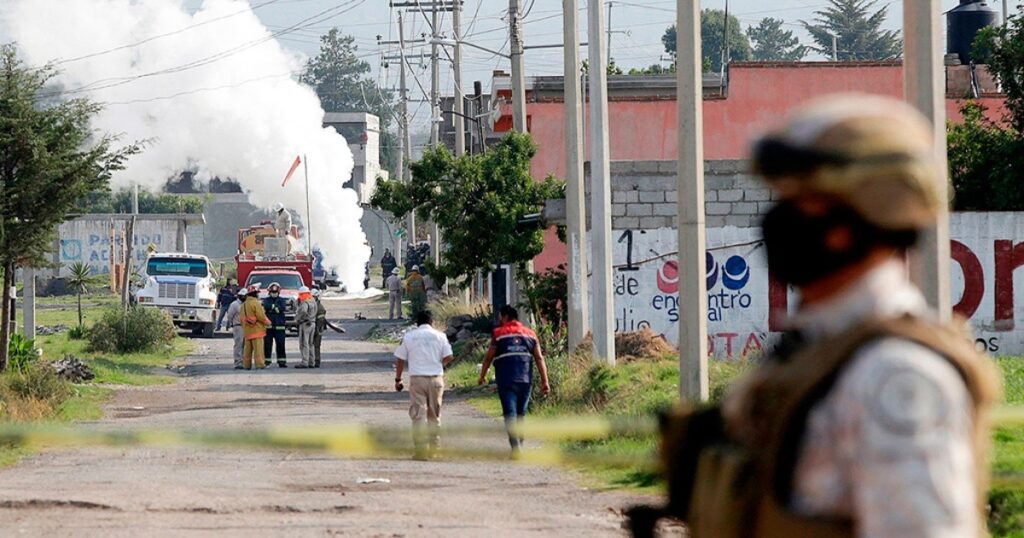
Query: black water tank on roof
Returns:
{"type": "Point", "coordinates": [963, 23]}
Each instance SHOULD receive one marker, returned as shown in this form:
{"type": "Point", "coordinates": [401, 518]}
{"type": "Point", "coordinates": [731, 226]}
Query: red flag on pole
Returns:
{"type": "Point", "coordinates": [295, 166]}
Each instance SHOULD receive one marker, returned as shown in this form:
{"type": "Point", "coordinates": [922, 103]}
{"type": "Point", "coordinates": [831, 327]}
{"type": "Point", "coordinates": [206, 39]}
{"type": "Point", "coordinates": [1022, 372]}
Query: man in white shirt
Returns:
{"type": "Point", "coordinates": [425, 352]}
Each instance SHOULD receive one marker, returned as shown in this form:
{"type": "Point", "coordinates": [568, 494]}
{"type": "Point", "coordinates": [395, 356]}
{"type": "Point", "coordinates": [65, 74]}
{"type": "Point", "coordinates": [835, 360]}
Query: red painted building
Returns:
{"type": "Point", "coordinates": [642, 110]}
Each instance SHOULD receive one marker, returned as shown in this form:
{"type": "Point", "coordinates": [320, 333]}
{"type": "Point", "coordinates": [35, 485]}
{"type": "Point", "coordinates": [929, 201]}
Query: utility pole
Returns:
{"type": "Point", "coordinates": [406, 139]}
{"type": "Point", "coordinates": [1006, 12]}
{"type": "Point", "coordinates": [693, 342]}
{"type": "Point", "coordinates": [601, 191]}
{"type": "Point", "coordinates": [609, 32]}
{"type": "Point", "coordinates": [575, 197]}
{"type": "Point", "coordinates": [459, 105]}
{"type": "Point", "coordinates": [435, 114]}
{"type": "Point", "coordinates": [515, 28]}
{"type": "Point", "coordinates": [835, 48]}
{"type": "Point", "coordinates": [923, 82]}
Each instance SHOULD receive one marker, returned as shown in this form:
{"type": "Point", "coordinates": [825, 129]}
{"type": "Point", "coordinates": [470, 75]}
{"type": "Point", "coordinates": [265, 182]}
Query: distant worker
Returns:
{"type": "Point", "coordinates": [283, 221]}
{"type": "Point", "coordinates": [872, 419]}
{"type": "Point", "coordinates": [416, 289]}
{"type": "Point", "coordinates": [254, 328]}
{"type": "Point", "coordinates": [319, 327]}
{"type": "Point", "coordinates": [276, 308]}
{"type": "Point", "coordinates": [394, 285]}
{"type": "Point", "coordinates": [514, 349]}
{"type": "Point", "coordinates": [425, 352]}
{"type": "Point", "coordinates": [225, 298]}
{"type": "Point", "coordinates": [233, 321]}
{"type": "Point", "coordinates": [305, 318]}
{"type": "Point", "coordinates": [387, 263]}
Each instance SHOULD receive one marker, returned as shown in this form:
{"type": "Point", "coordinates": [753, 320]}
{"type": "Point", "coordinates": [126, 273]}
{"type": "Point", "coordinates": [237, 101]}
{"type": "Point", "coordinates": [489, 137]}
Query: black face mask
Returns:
{"type": "Point", "coordinates": [796, 242]}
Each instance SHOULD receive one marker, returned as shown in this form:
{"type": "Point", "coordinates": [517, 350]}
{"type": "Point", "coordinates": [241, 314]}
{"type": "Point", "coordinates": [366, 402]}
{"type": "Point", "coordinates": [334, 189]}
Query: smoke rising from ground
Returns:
{"type": "Point", "coordinates": [219, 97]}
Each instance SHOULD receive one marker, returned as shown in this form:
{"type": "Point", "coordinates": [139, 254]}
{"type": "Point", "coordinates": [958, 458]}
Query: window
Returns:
{"type": "Point", "coordinates": [177, 267]}
{"type": "Point", "coordinates": [290, 281]}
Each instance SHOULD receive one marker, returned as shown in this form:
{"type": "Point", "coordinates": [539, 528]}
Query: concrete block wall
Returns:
{"type": "Point", "coordinates": [644, 194]}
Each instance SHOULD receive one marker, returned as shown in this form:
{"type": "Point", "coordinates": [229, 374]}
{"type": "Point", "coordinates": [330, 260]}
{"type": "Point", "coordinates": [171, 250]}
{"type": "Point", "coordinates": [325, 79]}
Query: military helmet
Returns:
{"type": "Point", "coordinates": [274, 287]}
{"type": "Point", "coordinates": [875, 153]}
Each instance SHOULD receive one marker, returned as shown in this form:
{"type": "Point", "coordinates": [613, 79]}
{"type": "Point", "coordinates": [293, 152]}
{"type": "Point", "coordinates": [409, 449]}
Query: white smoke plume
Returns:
{"type": "Point", "coordinates": [211, 90]}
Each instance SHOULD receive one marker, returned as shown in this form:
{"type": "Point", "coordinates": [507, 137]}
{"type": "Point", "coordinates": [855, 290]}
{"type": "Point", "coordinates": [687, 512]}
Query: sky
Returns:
{"type": "Point", "coordinates": [636, 42]}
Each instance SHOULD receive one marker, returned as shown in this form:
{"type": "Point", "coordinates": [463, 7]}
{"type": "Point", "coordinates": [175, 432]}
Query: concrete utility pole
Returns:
{"type": "Point", "coordinates": [1006, 12]}
{"type": "Point", "coordinates": [575, 195]}
{"type": "Point", "coordinates": [515, 28]}
{"type": "Point", "coordinates": [693, 318]}
{"type": "Point", "coordinates": [608, 31]}
{"type": "Point", "coordinates": [435, 114]}
{"type": "Point", "coordinates": [601, 190]}
{"type": "Point", "coordinates": [406, 139]}
{"type": "Point", "coordinates": [923, 85]}
{"type": "Point", "coordinates": [458, 106]}
{"type": "Point", "coordinates": [28, 301]}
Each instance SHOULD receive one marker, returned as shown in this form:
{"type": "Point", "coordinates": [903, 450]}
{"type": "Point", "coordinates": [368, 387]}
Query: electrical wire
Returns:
{"type": "Point", "coordinates": [118, 81]}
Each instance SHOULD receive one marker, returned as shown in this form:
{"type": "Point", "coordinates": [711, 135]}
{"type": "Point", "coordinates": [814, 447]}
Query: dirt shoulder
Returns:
{"type": "Point", "coordinates": [204, 491]}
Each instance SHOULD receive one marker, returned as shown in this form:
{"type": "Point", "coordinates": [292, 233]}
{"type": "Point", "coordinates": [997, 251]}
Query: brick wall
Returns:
{"type": "Point", "coordinates": [644, 194]}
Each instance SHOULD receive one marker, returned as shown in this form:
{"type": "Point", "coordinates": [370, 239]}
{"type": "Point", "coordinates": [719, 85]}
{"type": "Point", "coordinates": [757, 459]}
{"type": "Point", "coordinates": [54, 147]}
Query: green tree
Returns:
{"type": "Point", "coordinates": [858, 31]}
{"type": "Point", "coordinates": [773, 44]}
{"type": "Point", "coordinates": [984, 155]}
{"type": "Point", "coordinates": [341, 80]}
{"type": "Point", "coordinates": [712, 44]}
{"type": "Point", "coordinates": [1003, 50]}
{"type": "Point", "coordinates": [120, 201]}
{"type": "Point", "coordinates": [49, 158]}
{"type": "Point", "coordinates": [478, 202]}
{"type": "Point", "coordinates": [653, 69]}
{"type": "Point", "coordinates": [79, 280]}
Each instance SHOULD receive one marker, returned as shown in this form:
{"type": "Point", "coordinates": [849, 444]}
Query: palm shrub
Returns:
{"type": "Point", "coordinates": [78, 280]}
{"type": "Point", "coordinates": [135, 330]}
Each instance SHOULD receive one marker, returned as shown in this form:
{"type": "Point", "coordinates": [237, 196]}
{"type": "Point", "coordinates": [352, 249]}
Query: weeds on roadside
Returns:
{"type": "Point", "coordinates": [32, 394]}
{"type": "Point", "coordinates": [134, 330]}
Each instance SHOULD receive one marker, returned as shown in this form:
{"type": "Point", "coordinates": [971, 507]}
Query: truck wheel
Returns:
{"type": "Point", "coordinates": [208, 330]}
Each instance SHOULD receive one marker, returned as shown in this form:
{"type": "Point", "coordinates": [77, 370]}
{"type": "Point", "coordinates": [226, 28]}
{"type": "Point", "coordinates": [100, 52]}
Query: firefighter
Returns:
{"type": "Point", "coordinates": [275, 307]}
{"type": "Point", "coordinates": [319, 327]}
{"type": "Point", "coordinates": [305, 318]}
{"type": "Point", "coordinates": [234, 324]}
{"type": "Point", "coordinates": [870, 417]}
{"type": "Point", "coordinates": [283, 220]}
{"type": "Point", "coordinates": [254, 327]}
{"type": "Point", "coordinates": [416, 289]}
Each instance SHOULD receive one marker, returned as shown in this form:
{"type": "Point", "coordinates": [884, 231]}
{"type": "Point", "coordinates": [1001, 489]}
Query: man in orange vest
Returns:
{"type": "Point", "coordinates": [254, 327]}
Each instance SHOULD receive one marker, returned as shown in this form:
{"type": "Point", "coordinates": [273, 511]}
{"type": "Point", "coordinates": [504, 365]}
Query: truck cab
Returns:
{"type": "Point", "coordinates": [290, 281]}
{"type": "Point", "coordinates": [183, 286]}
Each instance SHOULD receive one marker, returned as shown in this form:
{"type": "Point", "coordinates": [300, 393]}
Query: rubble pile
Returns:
{"type": "Point", "coordinates": [633, 346]}
{"type": "Point", "coordinates": [73, 369]}
{"type": "Point", "coordinates": [48, 330]}
{"type": "Point", "coordinates": [460, 328]}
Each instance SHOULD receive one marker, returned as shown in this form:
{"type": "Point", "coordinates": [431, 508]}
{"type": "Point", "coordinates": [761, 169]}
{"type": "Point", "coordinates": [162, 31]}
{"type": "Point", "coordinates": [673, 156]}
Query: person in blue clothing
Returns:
{"type": "Point", "coordinates": [514, 349]}
{"type": "Point", "coordinates": [225, 297]}
{"type": "Point", "coordinates": [275, 306]}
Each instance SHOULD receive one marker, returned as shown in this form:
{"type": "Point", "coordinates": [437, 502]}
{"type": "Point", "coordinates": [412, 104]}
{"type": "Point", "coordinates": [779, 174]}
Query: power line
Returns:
{"type": "Point", "coordinates": [118, 81]}
{"type": "Point", "coordinates": [160, 36]}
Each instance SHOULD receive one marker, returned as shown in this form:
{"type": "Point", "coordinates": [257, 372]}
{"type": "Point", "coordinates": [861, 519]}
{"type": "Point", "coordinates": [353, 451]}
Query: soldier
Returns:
{"type": "Point", "coordinates": [275, 307]}
{"type": "Point", "coordinates": [319, 327]}
{"type": "Point", "coordinates": [387, 263]}
{"type": "Point", "coordinates": [871, 419]}
{"type": "Point", "coordinates": [305, 318]}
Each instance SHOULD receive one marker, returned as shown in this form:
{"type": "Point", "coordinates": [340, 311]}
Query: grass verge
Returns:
{"type": "Point", "coordinates": [37, 395]}
{"type": "Point", "coordinates": [643, 387]}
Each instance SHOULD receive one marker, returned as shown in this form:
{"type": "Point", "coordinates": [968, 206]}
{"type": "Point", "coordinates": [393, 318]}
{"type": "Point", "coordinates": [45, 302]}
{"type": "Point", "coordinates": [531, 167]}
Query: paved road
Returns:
{"type": "Point", "coordinates": [207, 492]}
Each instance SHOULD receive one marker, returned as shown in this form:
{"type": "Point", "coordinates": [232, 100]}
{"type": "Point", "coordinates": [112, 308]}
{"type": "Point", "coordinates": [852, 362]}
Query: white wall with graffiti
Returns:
{"type": "Point", "coordinates": [987, 249]}
{"type": "Point", "coordinates": [88, 241]}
